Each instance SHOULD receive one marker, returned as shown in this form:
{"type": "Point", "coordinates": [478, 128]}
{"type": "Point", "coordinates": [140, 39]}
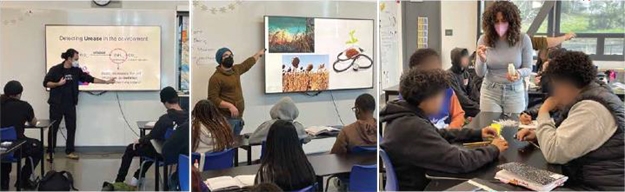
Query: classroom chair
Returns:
{"type": "Point", "coordinates": [9, 134]}
{"type": "Point", "coordinates": [183, 172]}
{"type": "Point", "coordinates": [158, 161]}
{"type": "Point", "coordinates": [215, 160]}
{"type": "Point", "coordinates": [363, 178]}
{"type": "Point", "coordinates": [391, 178]}
{"type": "Point", "coordinates": [363, 149]}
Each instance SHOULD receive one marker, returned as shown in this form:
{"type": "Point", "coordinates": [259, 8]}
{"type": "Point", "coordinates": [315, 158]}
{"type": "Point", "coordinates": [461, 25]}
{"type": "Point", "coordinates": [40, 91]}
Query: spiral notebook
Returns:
{"type": "Point", "coordinates": [529, 177]}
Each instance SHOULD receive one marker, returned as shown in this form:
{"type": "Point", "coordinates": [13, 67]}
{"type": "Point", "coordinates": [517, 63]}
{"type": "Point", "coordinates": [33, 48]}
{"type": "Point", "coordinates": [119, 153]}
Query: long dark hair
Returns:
{"type": "Point", "coordinates": [206, 113]}
{"type": "Point", "coordinates": [510, 13]}
{"type": "Point", "coordinates": [284, 162]}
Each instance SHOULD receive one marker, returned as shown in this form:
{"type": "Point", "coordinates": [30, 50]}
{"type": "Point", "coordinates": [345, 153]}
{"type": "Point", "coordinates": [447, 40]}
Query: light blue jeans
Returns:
{"type": "Point", "coordinates": [506, 98]}
{"type": "Point", "coordinates": [237, 125]}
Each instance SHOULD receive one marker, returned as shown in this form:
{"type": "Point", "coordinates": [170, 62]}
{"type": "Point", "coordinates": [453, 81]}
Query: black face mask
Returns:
{"type": "Point", "coordinates": [227, 62]}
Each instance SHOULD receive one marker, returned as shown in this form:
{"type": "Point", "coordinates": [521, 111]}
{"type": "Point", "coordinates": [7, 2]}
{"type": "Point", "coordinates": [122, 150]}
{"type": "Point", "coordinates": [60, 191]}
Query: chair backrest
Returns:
{"type": "Point", "coordinates": [168, 133]}
{"type": "Point", "coordinates": [183, 172]}
{"type": "Point", "coordinates": [219, 160]}
{"type": "Point", "coordinates": [363, 178]}
{"type": "Point", "coordinates": [308, 189]}
{"type": "Point", "coordinates": [391, 178]}
{"type": "Point", "coordinates": [363, 149]}
{"type": "Point", "coordinates": [8, 134]}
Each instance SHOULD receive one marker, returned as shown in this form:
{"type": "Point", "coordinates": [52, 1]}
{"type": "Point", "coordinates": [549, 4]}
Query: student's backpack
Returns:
{"type": "Point", "coordinates": [118, 186]}
{"type": "Point", "coordinates": [57, 181]}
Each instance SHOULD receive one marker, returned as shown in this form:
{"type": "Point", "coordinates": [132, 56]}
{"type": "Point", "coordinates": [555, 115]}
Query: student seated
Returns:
{"type": "Point", "coordinates": [460, 81]}
{"type": "Point", "coordinates": [284, 162]}
{"type": "Point", "coordinates": [211, 130]}
{"type": "Point", "coordinates": [143, 147]}
{"type": "Point", "coordinates": [543, 81]}
{"type": "Point", "coordinates": [285, 110]}
{"type": "Point", "coordinates": [587, 138]}
{"type": "Point", "coordinates": [15, 113]}
{"type": "Point", "coordinates": [415, 145]}
{"type": "Point", "coordinates": [363, 132]}
{"type": "Point", "coordinates": [451, 114]}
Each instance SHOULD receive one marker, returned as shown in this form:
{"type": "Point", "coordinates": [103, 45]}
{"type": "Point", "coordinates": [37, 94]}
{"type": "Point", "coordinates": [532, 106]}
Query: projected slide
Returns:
{"type": "Point", "coordinates": [317, 54]}
{"type": "Point", "coordinates": [131, 54]}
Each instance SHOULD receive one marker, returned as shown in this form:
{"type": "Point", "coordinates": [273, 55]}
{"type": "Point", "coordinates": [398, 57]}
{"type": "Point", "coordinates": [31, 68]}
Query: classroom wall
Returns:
{"type": "Point", "coordinates": [100, 121]}
{"type": "Point", "coordinates": [461, 17]}
{"type": "Point", "coordinates": [242, 30]}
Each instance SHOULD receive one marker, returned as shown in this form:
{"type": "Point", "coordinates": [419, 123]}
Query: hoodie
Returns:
{"type": "Point", "coordinates": [166, 121]}
{"type": "Point", "coordinates": [286, 110]}
{"type": "Point", "coordinates": [461, 83]}
{"type": "Point", "coordinates": [359, 133]}
{"type": "Point", "coordinates": [415, 145]}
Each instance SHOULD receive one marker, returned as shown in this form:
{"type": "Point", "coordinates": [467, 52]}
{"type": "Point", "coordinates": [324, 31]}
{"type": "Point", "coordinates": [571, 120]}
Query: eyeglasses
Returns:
{"type": "Point", "coordinates": [354, 109]}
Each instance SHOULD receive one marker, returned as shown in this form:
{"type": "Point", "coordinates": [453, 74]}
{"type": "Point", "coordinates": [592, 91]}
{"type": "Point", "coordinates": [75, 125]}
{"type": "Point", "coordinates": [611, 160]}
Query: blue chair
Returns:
{"type": "Point", "coordinates": [364, 149]}
{"type": "Point", "coordinates": [391, 178]}
{"type": "Point", "coordinates": [158, 160]}
{"type": "Point", "coordinates": [9, 134]}
{"type": "Point", "coordinates": [216, 160]}
{"type": "Point", "coordinates": [183, 172]}
{"type": "Point", "coordinates": [363, 178]}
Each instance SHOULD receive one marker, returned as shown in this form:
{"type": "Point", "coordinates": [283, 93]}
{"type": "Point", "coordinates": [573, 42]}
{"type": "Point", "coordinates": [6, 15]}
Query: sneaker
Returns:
{"type": "Point", "coordinates": [72, 155]}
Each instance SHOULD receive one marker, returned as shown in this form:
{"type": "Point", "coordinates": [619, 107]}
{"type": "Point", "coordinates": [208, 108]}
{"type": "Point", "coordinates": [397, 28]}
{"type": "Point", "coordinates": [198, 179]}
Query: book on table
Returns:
{"type": "Point", "coordinates": [226, 183]}
{"type": "Point", "coordinates": [319, 130]}
{"type": "Point", "coordinates": [529, 177]}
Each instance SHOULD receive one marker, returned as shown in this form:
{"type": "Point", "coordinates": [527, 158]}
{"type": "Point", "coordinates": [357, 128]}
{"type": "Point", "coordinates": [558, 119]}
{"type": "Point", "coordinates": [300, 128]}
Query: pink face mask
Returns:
{"type": "Point", "coordinates": [501, 28]}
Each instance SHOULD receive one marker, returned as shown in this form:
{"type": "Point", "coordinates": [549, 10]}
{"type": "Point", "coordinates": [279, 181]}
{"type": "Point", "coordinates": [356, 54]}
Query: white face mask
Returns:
{"type": "Point", "coordinates": [75, 64]}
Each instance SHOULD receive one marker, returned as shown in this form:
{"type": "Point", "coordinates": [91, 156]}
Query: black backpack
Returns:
{"type": "Point", "coordinates": [57, 181]}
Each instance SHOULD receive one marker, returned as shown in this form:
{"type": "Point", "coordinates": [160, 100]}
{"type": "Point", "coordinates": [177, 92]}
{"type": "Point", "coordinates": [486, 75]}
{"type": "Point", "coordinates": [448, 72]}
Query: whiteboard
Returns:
{"type": "Point", "coordinates": [131, 54]}
{"type": "Point", "coordinates": [317, 54]}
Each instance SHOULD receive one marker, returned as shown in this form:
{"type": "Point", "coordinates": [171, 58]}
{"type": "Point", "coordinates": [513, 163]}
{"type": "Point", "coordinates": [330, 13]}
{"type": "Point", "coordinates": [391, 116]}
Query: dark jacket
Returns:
{"type": "Point", "coordinates": [177, 144]}
{"type": "Point", "coordinates": [603, 168]}
{"type": "Point", "coordinates": [461, 83]}
{"type": "Point", "coordinates": [165, 122]}
{"type": "Point", "coordinates": [409, 140]}
{"type": "Point", "coordinates": [56, 73]}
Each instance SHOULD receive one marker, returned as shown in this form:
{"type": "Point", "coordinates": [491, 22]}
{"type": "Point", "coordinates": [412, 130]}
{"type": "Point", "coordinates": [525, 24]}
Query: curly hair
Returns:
{"type": "Point", "coordinates": [510, 13]}
{"type": "Point", "coordinates": [574, 67]}
{"type": "Point", "coordinates": [418, 85]}
{"type": "Point", "coordinates": [421, 55]}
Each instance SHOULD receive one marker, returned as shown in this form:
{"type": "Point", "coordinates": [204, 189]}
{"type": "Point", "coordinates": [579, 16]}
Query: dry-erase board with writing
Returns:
{"type": "Point", "coordinates": [316, 54]}
{"type": "Point", "coordinates": [131, 54]}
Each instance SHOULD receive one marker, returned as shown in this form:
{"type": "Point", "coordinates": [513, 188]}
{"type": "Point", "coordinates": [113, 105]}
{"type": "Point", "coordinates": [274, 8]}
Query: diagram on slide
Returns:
{"type": "Point", "coordinates": [352, 57]}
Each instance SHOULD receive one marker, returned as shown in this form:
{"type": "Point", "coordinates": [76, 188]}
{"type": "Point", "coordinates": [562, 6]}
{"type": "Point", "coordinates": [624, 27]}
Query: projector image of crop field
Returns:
{"type": "Point", "coordinates": [305, 81]}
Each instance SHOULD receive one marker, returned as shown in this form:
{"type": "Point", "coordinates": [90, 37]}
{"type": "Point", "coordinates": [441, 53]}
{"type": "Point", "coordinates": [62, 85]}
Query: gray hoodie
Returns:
{"type": "Point", "coordinates": [286, 110]}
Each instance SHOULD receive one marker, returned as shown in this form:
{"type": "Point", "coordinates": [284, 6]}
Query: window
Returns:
{"type": "Point", "coordinates": [592, 16]}
{"type": "Point", "coordinates": [529, 11]}
{"type": "Point", "coordinates": [613, 46]}
{"type": "Point", "coordinates": [183, 51]}
{"type": "Point", "coordinates": [586, 45]}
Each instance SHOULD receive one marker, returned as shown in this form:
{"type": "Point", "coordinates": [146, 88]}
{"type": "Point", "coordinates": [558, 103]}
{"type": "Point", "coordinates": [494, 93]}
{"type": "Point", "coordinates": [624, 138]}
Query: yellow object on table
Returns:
{"type": "Point", "coordinates": [497, 128]}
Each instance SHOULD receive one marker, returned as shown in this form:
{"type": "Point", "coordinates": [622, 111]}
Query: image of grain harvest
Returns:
{"type": "Point", "coordinates": [305, 81]}
{"type": "Point", "coordinates": [291, 35]}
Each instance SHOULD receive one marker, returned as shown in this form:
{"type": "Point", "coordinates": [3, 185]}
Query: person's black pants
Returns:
{"type": "Point", "coordinates": [140, 150]}
{"type": "Point", "coordinates": [32, 148]}
{"type": "Point", "coordinates": [57, 113]}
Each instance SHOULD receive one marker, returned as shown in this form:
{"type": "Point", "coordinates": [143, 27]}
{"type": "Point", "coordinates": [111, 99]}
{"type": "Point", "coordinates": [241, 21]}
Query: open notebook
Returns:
{"type": "Point", "coordinates": [225, 183]}
{"type": "Point", "coordinates": [530, 177]}
{"type": "Point", "coordinates": [532, 125]}
{"type": "Point", "coordinates": [318, 130]}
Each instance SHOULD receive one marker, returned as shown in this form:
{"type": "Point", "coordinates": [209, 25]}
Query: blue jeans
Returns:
{"type": "Point", "coordinates": [506, 98]}
{"type": "Point", "coordinates": [237, 125]}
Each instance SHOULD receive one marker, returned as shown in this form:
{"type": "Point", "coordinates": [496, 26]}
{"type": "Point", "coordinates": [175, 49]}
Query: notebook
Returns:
{"type": "Point", "coordinates": [477, 184]}
{"type": "Point", "coordinates": [532, 125]}
{"type": "Point", "coordinates": [318, 130]}
{"type": "Point", "coordinates": [225, 183]}
{"type": "Point", "coordinates": [529, 177]}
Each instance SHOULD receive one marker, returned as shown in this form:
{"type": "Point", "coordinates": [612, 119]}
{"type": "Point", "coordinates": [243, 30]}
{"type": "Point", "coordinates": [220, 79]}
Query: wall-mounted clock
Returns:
{"type": "Point", "coordinates": [102, 3]}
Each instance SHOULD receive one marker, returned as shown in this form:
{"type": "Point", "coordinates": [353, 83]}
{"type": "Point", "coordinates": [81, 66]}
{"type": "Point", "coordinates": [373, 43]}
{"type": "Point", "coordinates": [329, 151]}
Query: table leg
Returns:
{"type": "Point", "coordinates": [156, 174]}
{"type": "Point", "coordinates": [385, 97]}
{"type": "Point", "coordinates": [141, 134]}
{"type": "Point", "coordinates": [19, 169]}
{"type": "Point", "coordinates": [319, 183]}
{"type": "Point", "coordinates": [166, 177]}
{"type": "Point", "coordinates": [43, 152]}
{"type": "Point", "coordinates": [249, 156]}
{"type": "Point", "coordinates": [236, 157]}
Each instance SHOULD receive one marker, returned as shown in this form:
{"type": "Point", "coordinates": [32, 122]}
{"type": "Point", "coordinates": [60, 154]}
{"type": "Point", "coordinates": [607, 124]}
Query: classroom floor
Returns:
{"type": "Point", "coordinates": [92, 169]}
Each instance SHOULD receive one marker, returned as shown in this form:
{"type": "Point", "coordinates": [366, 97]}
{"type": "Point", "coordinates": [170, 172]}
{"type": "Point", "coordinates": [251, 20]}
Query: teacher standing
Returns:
{"type": "Point", "coordinates": [503, 44]}
{"type": "Point", "coordinates": [224, 86]}
{"type": "Point", "coordinates": [63, 80]}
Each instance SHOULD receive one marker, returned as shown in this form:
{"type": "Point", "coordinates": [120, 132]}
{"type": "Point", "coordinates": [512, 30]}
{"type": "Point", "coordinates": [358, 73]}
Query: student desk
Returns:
{"type": "Point", "coordinates": [41, 125]}
{"type": "Point", "coordinates": [16, 146]}
{"type": "Point", "coordinates": [394, 90]}
{"type": "Point", "coordinates": [143, 127]}
{"type": "Point", "coordinates": [243, 142]}
{"type": "Point", "coordinates": [324, 165]}
{"type": "Point", "coordinates": [517, 151]}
